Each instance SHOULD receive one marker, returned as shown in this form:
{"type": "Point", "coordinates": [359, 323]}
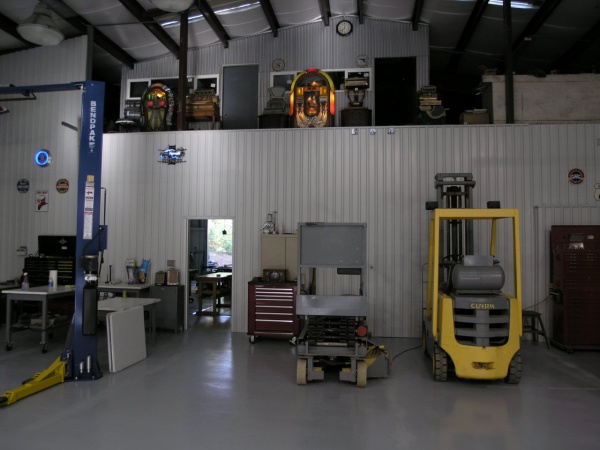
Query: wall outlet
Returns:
{"type": "Point", "coordinates": [22, 251]}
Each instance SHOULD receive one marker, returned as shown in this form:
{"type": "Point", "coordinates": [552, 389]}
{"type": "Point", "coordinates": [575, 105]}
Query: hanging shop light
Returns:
{"type": "Point", "coordinates": [173, 5]}
{"type": "Point", "coordinates": [39, 28]}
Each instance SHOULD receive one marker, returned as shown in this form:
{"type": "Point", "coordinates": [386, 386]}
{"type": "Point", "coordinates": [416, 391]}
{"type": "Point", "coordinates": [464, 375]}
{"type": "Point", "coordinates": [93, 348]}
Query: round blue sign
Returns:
{"type": "Point", "coordinates": [43, 158]}
{"type": "Point", "coordinates": [23, 185]}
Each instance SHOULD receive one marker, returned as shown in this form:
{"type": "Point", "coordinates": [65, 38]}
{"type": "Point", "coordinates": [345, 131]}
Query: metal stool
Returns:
{"type": "Point", "coordinates": [531, 320]}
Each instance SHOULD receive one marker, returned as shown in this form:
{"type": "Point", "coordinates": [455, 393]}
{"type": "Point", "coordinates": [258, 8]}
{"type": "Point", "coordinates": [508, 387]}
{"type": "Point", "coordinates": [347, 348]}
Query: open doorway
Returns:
{"type": "Point", "coordinates": [210, 269]}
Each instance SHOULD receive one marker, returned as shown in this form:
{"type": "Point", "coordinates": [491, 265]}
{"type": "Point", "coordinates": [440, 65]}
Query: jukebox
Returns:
{"type": "Point", "coordinates": [158, 103]}
{"type": "Point", "coordinates": [312, 100]}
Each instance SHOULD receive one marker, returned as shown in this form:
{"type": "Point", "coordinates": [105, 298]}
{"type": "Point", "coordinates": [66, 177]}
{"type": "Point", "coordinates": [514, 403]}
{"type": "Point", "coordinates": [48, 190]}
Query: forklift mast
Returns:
{"type": "Point", "coordinates": [454, 190]}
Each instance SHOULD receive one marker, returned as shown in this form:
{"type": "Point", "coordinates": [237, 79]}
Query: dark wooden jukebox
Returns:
{"type": "Point", "coordinates": [312, 100]}
{"type": "Point", "coordinates": [158, 104]}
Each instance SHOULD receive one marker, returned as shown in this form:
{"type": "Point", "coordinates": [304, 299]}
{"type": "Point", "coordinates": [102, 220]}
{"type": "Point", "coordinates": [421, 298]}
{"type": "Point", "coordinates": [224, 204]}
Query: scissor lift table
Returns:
{"type": "Point", "coordinates": [334, 326]}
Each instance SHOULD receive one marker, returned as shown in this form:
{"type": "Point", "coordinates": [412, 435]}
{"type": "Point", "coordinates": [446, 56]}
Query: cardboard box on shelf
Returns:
{"type": "Point", "coordinates": [474, 116]}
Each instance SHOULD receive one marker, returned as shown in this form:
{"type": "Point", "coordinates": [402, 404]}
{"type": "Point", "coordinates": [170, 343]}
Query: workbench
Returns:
{"type": "Point", "coordinates": [41, 294]}
{"type": "Point", "coordinates": [217, 282]}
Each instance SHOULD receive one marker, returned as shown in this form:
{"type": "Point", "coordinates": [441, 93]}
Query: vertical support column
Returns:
{"type": "Point", "coordinates": [90, 53]}
{"type": "Point", "coordinates": [182, 83]}
{"type": "Point", "coordinates": [82, 352]}
{"type": "Point", "coordinates": [508, 58]}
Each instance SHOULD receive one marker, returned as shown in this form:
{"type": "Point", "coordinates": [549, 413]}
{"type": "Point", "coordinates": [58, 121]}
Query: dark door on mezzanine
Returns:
{"type": "Point", "coordinates": [240, 97]}
{"type": "Point", "coordinates": [395, 91]}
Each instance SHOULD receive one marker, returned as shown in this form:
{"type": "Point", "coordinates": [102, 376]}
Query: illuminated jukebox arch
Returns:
{"type": "Point", "coordinates": [158, 104]}
{"type": "Point", "coordinates": [312, 100]}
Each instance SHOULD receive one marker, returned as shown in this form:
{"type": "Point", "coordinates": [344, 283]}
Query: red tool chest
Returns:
{"type": "Point", "coordinates": [272, 310]}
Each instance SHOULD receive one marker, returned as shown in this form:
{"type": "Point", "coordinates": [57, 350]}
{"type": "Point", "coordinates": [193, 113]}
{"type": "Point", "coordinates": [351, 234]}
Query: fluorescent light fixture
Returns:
{"type": "Point", "coordinates": [513, 4]}
{"type": "Point", "coordinates": [39, 28]}
{"type": "Point", "coordinates": [169, 21]}
{"type": "Point", "coordinates": [173, 5]}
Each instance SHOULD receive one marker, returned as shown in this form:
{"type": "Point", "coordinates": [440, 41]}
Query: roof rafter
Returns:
{"type": "Point", "coordinates": [467, 33]}
{"type": "Point", "coordinates": [360, 6]}
{"type": "Point", "coordinates": [80, 24]}
{"type": "Point", "coordinates": [270, 15]}
{"type": "Point", "coordinates": [416, 15]}
{"type": "Point", "coordinates": [536, 22]}
{"type": "Point", "coordinates": [325, 11]}
{"type": "Point", "coordinates": [159, 33]}
{"type": "Point", "coordinates": [10, 27]}
{"type": "Point", "coordinates": [581, 45]}
{"type": "Point", "coordinates": [213, 21]}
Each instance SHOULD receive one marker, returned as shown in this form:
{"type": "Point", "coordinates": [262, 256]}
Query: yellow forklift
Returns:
{"type": "Point", "coordinates": [470, 326]}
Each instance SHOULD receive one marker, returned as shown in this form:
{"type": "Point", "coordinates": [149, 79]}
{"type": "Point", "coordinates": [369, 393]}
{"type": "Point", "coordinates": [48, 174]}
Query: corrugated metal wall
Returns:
{"type": "Point", "coordinates": [303, 46]}
{"type": "Point", "coordinates": [306, 175]}
{"type": "Point", "coordinates": [332, 176]}
{"type": "Point", "coordinates": [31, 126]}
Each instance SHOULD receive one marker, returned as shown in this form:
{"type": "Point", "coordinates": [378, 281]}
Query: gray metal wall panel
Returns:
{"type": "Point", "coordinates": [329, 175]}
{"type": "Point", "coordinates": [31, 126]}
{"type": "Point", "coordinates": [303, 46]}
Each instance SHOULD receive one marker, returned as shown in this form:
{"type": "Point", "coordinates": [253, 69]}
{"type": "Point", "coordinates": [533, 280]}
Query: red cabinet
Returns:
{"type": "Point", "coordinates": [272, 310]}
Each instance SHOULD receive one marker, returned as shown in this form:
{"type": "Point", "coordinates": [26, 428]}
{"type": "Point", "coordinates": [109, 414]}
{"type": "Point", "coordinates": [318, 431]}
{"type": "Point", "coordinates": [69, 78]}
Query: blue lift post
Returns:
{"type": "Point", "coordinates": [79, 360]}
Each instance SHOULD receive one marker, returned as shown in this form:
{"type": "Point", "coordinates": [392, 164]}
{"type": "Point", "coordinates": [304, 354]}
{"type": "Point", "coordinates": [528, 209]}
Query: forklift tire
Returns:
{"type": "Point", "coordinates": [514, 370]}
{"type": "Point", "coordinates": [440, 363]}
{"type": "Point", "coordinates": [301, 368]}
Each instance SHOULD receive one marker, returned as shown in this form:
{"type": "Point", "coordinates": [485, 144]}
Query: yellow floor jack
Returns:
{"type": "Point", "coordinates": [52, 376]}
{"type": "Point", "coordinates": [79, 359]}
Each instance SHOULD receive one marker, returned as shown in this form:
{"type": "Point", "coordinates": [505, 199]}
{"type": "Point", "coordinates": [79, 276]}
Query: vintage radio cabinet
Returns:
{"type": "Point", "coordinates": [575, 286]}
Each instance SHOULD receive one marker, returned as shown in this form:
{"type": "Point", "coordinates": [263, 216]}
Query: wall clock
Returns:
{"type": "Point", "coordinates": [344, 28]}
{"type": "Point", "coordinates": [278, 65]}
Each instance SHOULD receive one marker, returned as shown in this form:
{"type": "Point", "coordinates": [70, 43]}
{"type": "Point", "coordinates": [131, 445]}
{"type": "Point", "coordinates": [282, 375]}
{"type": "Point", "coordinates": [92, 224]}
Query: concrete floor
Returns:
{"type": "Point", "coordinates": [210, 388]}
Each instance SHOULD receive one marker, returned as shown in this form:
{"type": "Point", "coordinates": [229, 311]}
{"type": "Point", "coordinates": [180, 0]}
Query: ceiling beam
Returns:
{"type": "Point", "coordinates": [325, 11]}
{"type": "Point", "coordinates": [416, 15]}
{"type": "Point", "coordinates": [581, 45]}
{"type": "Point", "coordinates": [535, 23]}
{"type": "Point", "coordinates": [270, 15]}
{"type": "Point", "coordinates": [467, 33]}
{"type": "Point", "coordinates": [80, 24]}
{"type": "Point", "coordinates": [159, 32]}
{"type": "Point", "coordinates": [10, 27]}
{"type": "Point", "coordinates": [360, 5]}
{"type": "Point", "coordinates": [213, 21]}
